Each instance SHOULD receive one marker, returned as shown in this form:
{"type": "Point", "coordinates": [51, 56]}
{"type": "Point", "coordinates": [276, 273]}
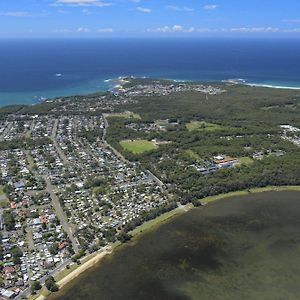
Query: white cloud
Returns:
{"type": "Point", "coordinates": [15, 13]}
{"type": "Point", "coordinates": [63, 30]}
{"type": "Point", "coordinates": [144, 10]}
{"type": "Point", "coordinates": [210, 7]}
{"type": "Point", "coordinates": [291, 20]}
{"type": "Point", "coordinates": [188, 9]}
{"type": "Point", "coordinates": [105, 30]}
{"type": "Point", "coordinates": [81, 3]}
{"type": "Point", "coordinates": [233, 30]}
{"type": "Point", "coordinates": [177, 8]}
{"type": "Point", "coordinates": [23, 14]}
{"type": "Point", "coordinates": [86, 12]}
{"type": "Point", "coordinates": [293, 30]}
{"type": "Point", "coordinates": [173, 29]}
{"type": "Point", "coordinates": [83, 30]}
{"type": "Point", "coordinates": [61, 11]}
{"type": "Point", "coordinates": [255, 29]}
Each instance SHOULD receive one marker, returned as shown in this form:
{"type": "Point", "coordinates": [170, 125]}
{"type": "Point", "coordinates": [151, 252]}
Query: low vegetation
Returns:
{"type": "Point", "coordinates": [202, 126]}
{"type": "Point", "coordinates": [125, 115]}
{"type": "Point", "coordinates": [138, 146]}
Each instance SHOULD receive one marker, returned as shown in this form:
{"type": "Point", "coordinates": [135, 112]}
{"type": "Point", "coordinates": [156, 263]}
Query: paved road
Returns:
{"type": "Point", "coordinates": [54, 141]}
{"type": "Point", "coordinates": [60, 214]}
{"type": "Point", "coordinates": [62, 266]}
{"type": "Point", "coordinates": [29, 237]}
{"type": "Point", "coordinates": [1, 219]}
{"type": "Point", "coordinates": [6, 130]}
{"type": "Point", "coordinates": [28, 133]}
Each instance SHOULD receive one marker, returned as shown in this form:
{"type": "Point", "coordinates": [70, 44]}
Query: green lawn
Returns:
{"type": "Point", "coordinates": [3, 198]}
{"type": "Point", "coordinates": [138, 146]}
{"type": "Point", "coordinates": [203, 126]}
{"type": "Point", "coordinates": [245, 160]}
{"type": "Point", "coordinates": [1, 190]}
{"type": "Point", "coordinates": [193, 155]}
{"type": "Point", "coordinates": [157, 221]}
{"type": "Point", "coordinates": [125, 115]}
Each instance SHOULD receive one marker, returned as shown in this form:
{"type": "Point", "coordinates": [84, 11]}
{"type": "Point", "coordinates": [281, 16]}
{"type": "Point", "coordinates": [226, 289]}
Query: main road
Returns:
{"type": "Point", "coordinates": [6, 130]}
{"type": "Point", "coordinates": [54, 141]}
{"type": "Point", "coordinates": [60, 213]}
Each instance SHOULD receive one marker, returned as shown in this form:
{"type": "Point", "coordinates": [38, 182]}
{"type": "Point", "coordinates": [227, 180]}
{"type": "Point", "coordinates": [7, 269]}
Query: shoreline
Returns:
{"type": "Point", "coordinates": [83, 267]}
{"type": "Point", "coordinates": [80, 269]}
{"type": "Point", "coordinates": [97, 257]}
{"type": "Point", "coordinates": [256, 190]}
{"type": "Point", "coordinates": [271, 86]}
{"type": "Point", "coordinates": [33, 98]}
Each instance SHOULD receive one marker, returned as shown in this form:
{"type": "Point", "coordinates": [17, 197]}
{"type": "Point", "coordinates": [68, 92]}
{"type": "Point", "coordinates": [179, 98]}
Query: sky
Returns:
{"type": "Point", "coordinates": [149, 18]}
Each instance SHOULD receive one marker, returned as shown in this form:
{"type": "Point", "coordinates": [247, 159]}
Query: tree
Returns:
{"type": "Point", "coordinates": [9, 220]}
{"type": "Point", "coordinates": [124, 237]}
{"type": "Point", "coordinates": [16, 252]}
{"type": "Point", "coordinates": [51, 285]}
{"type": "Point", "coordinates": [35, 286]}
{"type": "Point", "coordinates": [17, 260]}
{"type": "Point", "coordinates": [54, 249]}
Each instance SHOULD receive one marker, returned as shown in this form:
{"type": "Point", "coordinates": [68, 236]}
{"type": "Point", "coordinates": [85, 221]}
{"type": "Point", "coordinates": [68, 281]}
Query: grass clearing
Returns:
{"type": "Point", "coordinates": [157, 221]}
{"type": "Point", "coordinates": [4, 202]}
{"type": "Point", "coordinates": [62, 274]}
{"type": "Point", "coordinates": [125, 115]}
{"type": "Point", "coordinates": [193, 155]}
{"type": "Point", "coordinates": [138, 146]}
{"type": "Point", "coordinates": [203, 126]}
{"type": "Point", "coordinates": [245, 160]}
{"type": "Point", "coordinates": [2, 190]}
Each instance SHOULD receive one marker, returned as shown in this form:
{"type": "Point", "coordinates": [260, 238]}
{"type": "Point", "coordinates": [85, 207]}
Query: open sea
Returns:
{"type": "Point", "coordinates": [45, 68]}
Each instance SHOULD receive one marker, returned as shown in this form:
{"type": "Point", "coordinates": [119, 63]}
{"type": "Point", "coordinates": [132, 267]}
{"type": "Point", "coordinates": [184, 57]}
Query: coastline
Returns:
{"type": "Point", "coordinates": [93, 259]}
{"type": "Point", "coordinates": [104, 85]}
{"type": "Point", "coordinates": [266, 189]}
{"type": "Point", "coordinates": [272, 86]}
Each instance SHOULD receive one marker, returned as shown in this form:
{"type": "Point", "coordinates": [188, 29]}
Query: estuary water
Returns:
{"type": "Point", "coordinates": [34, 69]}
{"type": "Point", "coordinates": [244, 247]}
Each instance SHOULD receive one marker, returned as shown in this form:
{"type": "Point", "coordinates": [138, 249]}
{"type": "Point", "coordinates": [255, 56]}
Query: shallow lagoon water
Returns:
{"type": "Point", "coordinates": [238, 248]}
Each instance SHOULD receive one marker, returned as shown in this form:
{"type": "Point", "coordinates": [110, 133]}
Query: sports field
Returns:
{"type": "Point", "coordinates": [138, 146]}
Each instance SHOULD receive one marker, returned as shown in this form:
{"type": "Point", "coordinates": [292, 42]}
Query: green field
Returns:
{"type": "Point", "coordinates": [138, 146]}
{"type": "Point", "coordinates": [202, 126]}
{"type": "Point", "coordinates": [1, 190]}
{"type": "Point", "coordinates": [126, 115]}
{"type": "Point", "coordinates": [3, 198]}
{"type": "Point", "coordinates": [193, 155]}
{"type": "Point", "coordinates": [151, 224]}
{"type": "Point", "coordinates": [246, 160]}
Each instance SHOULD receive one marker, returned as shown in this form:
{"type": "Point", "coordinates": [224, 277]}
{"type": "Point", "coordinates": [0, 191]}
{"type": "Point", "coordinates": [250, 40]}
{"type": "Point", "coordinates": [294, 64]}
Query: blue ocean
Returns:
{"type": "Point", "coordinates": [31, 70]}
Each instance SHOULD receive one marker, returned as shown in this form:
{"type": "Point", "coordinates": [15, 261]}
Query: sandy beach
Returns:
{"type": "Point", "coordinates": [272, 86]}
{"type": "Point", "coordinates": [82, 268]}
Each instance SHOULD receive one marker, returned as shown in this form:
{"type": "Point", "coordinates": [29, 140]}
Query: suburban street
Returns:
{"type": "Point", "coordinates": [60, 213]}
